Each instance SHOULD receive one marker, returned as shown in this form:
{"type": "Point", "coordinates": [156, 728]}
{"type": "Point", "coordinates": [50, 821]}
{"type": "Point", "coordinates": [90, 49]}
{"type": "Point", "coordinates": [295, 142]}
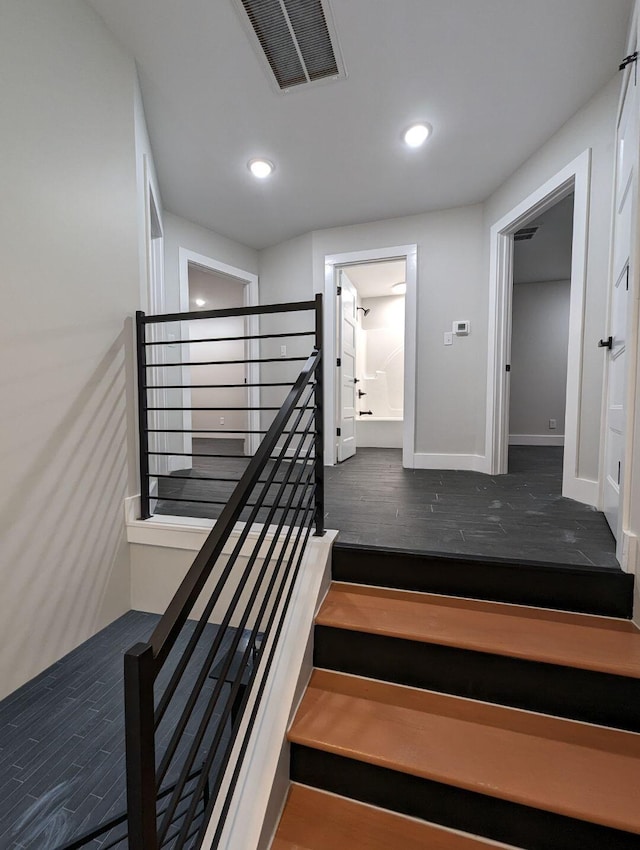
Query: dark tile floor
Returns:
{"type": "Point", "coordinates": [372, 500]}
{"type": "Point", "coordinates": [62, 740]}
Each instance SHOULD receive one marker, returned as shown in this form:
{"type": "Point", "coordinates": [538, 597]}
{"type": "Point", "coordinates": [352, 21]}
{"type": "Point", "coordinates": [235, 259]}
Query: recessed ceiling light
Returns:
{"type": "Point", "coordinates": [260, 168]}
{"type": "Point", "coordinates": [399, 288]}
{"type": "Point", "coordinates": [200, 302]}
{"type": "Point", "coordinates": [417, 135]}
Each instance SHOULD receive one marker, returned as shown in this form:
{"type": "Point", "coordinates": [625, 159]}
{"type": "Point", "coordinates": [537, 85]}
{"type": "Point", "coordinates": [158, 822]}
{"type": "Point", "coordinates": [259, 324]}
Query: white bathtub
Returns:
{"type": "Point", "coordinates": [379, 432]}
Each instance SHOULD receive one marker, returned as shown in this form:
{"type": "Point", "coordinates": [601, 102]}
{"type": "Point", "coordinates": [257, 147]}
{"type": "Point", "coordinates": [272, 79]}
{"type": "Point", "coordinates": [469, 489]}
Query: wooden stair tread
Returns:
{"type": "Point", "coordinates": [553, 637]}
{"type": "Point", "coordinates": [590, 773]}
{"type": "Point", "coordinates": [316, 820]}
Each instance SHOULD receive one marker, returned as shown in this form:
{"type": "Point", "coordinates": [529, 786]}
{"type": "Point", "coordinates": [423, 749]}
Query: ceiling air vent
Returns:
{"type": "Point", "coordinates": [297, 39]}
{"type": "Point", "coordinates": [525, 234]}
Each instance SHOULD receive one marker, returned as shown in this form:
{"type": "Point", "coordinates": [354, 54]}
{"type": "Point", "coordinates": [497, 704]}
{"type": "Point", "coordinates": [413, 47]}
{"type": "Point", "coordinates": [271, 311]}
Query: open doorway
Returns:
{"type": "Point", "coordinates": [540, 306]}
{"type": "Point", "coordinates": [371, 340]}
{"type": "Point", "coordinates": [219, 394]}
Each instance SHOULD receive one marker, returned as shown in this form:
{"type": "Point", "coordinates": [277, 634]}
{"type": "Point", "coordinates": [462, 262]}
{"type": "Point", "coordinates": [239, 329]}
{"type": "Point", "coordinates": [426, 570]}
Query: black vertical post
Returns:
{"type": "Point", "coordinates": [143, 414]}
{"type": "Point", "coordinates": [139, 669]}
{"type": "Point", "coordinates": [319, 423]}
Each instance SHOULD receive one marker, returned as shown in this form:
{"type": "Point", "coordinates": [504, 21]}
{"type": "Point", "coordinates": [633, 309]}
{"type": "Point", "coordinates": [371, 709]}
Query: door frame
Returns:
{"type": "Point", "coordinates": [409, 253]}
{"type": "Point", "coordinates": [575, 177]}
{"type": "Point", "coordinates": [249, 281]}
{"type": "Point", "coordinates": [628, 532]}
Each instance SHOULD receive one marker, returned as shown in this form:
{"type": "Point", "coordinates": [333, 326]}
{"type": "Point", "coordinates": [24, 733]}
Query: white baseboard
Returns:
{"type": "Point", "coordinates": [429, 460]}
{"type": "Point", "coordinates": [630, 553]}
{"type": "Point", "coordinates": [536, 439]}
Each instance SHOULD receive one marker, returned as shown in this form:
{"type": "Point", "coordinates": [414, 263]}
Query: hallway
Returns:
{"type": "Point", "coordinates": [372, 500]}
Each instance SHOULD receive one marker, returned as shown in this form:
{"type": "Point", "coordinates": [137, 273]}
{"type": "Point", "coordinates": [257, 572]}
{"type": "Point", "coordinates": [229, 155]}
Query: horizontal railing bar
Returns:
{"type": "Point", "coordinates": [226, 362]}
{"type": "Point", "coordinates": [167, 630]}
{"type": "Point", "coordinates": [217, 386]}
{"type": "Point", "coordinates": [229, 338]}
{"type": "Point", "coordinates": [199, 454]}
{"type": "Point", "coordinates": [173, 477]}
{"type": "Point", "coordinates": [209, 501]}
{"type": "Point", "coordinates": [169, 409]}
{"type": "Point", "coordinates": [257, 310]}
{"type": "Point", "coordinates": [209, 431]}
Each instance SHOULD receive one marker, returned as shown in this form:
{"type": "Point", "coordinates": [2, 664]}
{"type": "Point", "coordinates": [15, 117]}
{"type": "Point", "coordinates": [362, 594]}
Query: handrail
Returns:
{"type": "Point", "coordinates": [257, 310]}
{"type": "Point", "coordinates": [281, 489]}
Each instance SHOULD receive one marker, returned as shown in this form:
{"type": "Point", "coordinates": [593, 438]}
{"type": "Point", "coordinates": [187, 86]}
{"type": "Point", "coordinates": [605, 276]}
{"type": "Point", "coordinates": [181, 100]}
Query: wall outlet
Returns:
{"type": "Point", "coordinates": [283, 351]}
{"type": "Point", "coordinates": [448, 338]}
{"type": "Point", "coordinates": [553, 424]}
{"type": "Point", "coordinates": [222, 420]}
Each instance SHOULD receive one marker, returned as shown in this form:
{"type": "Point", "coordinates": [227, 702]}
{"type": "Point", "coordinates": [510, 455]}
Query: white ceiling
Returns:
{"type": "Point", "coordinates": [548, 255]}
{"type": "Point", "coordinates": [495, 78]}
{"type": "Point", "coordinates": [373, 280]}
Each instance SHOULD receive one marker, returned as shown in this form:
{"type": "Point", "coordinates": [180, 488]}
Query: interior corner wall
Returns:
{"type": "Point", "coordinates": [70, 280]}
{"type": "Point", "coordinates": [450, 380]}
{"type": "Point", "coordinates": [180, 233]}
{"type": "Point", "coordinates": [285, 275]}
{"type": "Point", "coordinates": [539, 342]}
{"type": "Point", "coordinates": [591, 127]}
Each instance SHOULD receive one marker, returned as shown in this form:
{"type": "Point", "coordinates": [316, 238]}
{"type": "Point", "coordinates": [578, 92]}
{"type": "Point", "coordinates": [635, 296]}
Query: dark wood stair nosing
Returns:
{"type": "Point", "coordinates": [584, 695]}
{"type": "Point", "coordinates": [457, 808]}
{"type": "Point", "coordinates": [588, 590]}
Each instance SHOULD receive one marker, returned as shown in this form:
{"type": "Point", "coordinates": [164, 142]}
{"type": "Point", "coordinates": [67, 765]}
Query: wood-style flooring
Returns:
{"type": "Point", "coordinates": [372, 500]}
{"type": "Point", "coordinates": [62, 739]}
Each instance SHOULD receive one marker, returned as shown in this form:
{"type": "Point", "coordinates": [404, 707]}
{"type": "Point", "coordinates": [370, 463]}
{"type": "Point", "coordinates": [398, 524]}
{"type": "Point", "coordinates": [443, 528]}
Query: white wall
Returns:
{"type": "Point", "coordinates": [71, 282]}
{"type": "Point", "coordinates": [180, 233]}
{"type": "Point", "coordinates": [592, 127]}
{"type": "Point", "coordinates": [450, 286]}
{"type": "Point", "coordinates": [539, 341]}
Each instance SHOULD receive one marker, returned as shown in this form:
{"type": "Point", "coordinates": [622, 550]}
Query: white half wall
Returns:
{"type": "Point", "coordinates": [69, 243]}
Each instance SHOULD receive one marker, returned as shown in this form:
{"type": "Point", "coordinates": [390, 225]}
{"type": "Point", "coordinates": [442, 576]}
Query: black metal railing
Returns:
{"type": "Point", "coordinates": [189, 689]}
{"type": "Point", "coordinates": [209, 385]}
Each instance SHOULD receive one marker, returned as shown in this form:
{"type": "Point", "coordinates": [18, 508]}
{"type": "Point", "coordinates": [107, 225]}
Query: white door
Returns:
{"type": "Point", "coordinates": [347, 327]}
{"type": "Point", "coordinates": [625, 201]}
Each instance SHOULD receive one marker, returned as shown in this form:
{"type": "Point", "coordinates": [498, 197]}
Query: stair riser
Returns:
{"type": "Point", "coordinates": [500, 820]}
{"type": "Point", "coordinates": [607, 593]}
{"type": "Point", "coordinates": [551, 689]}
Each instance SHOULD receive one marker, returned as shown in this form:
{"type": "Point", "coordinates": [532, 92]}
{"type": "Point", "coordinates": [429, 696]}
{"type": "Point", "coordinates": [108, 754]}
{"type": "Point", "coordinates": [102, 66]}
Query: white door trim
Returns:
{"type": "Point", "coordinates": [410, 254]}
{"type": "Point", "coordinates": [574, 177]}
{"type": "Point", "coordinates": [250, 283]}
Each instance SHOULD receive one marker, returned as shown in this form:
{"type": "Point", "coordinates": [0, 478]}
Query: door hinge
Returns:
{"type": "Point", "coordinates": [508, 367]}
{"type": "Point", "coordinates": [628, 60]}
{"type": "Point", "coordinates": [338, 362]}
{"type": "Point", "coordinates": [339, 432]}
{"type": "Point", "coordinates": [339, 290]}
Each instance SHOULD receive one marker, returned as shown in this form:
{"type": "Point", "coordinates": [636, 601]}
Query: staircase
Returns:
{"type": "Point", "coordinates": [442, 722]}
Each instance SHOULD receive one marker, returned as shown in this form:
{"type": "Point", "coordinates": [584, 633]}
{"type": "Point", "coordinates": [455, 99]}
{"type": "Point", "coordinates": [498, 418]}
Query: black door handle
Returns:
{"type": "Point", "coordinates": [360, 393]}
{"type": "Point", "coordinates": [606, 343]}
{"type": "Point", "coordinates": [365, 412]}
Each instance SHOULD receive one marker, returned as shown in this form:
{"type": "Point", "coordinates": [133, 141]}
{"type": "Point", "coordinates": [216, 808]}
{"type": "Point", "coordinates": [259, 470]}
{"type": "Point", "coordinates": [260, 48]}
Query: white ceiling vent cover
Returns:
{"type": "Point", "coordinates": [296, 39]}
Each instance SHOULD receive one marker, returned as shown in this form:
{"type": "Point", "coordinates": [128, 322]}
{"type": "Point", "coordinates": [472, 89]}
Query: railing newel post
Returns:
{"type": "Point", "coordinates": [143, 415]}
{"type": "Point", "coordinates": [319, 422]}
{"type": "Point", "coordinates": [139, 677]}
